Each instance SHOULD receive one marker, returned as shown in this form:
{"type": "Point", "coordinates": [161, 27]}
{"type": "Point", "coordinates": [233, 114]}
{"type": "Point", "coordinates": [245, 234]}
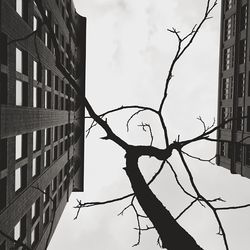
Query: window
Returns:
{"type": "Point", "coordinates": [60, 193]}
{"type": "Point", "coordinates": [36, 140]}
{"type": "Point", "coordinates": [21, 61]}
{"type": "Point", "coordinates": [3, 155]}
{"type": "Point", "coordinates": [226, 114]}
{"type": "Point", "coordinates": [241, 84]}
{"type": "Point", "coordinates": [60, 176]}
{"type": "Point", "coordinates": [46, 217]}
{"type": "Point", "coordinates": [55, 152]}
{"type": "Point", "coordinates": [229, 27]}
{"type": "Point", "coordinates": [46, 159]}
{"type": "Point", "coordinates": [55, 133]}
{"type": "Point", "coordinates": [21, 93]}
{"type": "Point", "coordinates": [37, 93]}
{"type": "Point", "coordinates": [36, 166]}
{"type": "Point", "coordinates": [61, 130]}
{"type": "Point", "coordinates": [47, 136]}
{"type": "Point", "coordinates": [54, 184]}
{"type": "Point", "coordinates": [20, 178]}
{"type": "Point", "coordinates": [56, 82]}
{"type": "Point", "coordinates": [35, 209]}
{"type": "Point", "coordinates": [240, 124]}
{"type": "Point", "coordinates": [47, 100]}
{"type": "Point", "coordinates": [17, 230]}
{"type": "Point", "coordinates": [243, 17]}
{"type": "Point", "coordinates": [3, 48]}
{"type": "Point", "coordinates": [247, 154]}
{"type": "Point", "coordinates": [227, 88]}
{"type": "Point", "coordinates": [19, 64]}
{"type": "Point", "coordinates": [20, 229]}
{"type": "Point", "coordinates": [3, 193]}
{"type": "Point", "coordinates": [46, 195]}
{"type": "Point", "coordinates": [248, 119]}
{"type": "Point", "coordinates": [228, 58]}
{"type": "Point", "coordinates": [46, 39]}
{"type": "Point", "coordinates": [35, 70]}
{"type": "Point", "coordinates": [20, 146]}
{"type": "Point", "coordinates": [56, 30]}
{"type": "Point", "coordinates": [19, 7]}
{"type": "Point", "coordinates": [238, 153]}
{"type": "Point", "coordinates": [223, 149]}
{"type": "Point", "coordinates": [3, 88]}
{"type": "Point", "coordinates": [47, 77]}
{"type": "Point", "coordinates": [242, 51]}
{"type": "Point", "coordinates": [35, 235]}
{"type": "Point", "coordinates": [56, 101]}
{"type": "Point", "coordinates": [229, 4]}
{"type": "Point", "coordinates": [34, 23]}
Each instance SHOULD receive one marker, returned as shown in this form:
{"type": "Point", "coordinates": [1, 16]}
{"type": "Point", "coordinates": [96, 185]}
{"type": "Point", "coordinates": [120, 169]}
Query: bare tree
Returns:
{"type": "Point", "coordinates": [171, 234]}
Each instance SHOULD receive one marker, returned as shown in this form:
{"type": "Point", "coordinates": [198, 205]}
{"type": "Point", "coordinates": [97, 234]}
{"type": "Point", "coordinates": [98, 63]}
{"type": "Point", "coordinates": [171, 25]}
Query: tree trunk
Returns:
{"type": "Point", "coordinates": [172, 235]}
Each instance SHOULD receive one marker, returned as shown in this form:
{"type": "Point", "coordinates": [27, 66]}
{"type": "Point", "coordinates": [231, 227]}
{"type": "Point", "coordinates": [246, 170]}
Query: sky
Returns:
{"type": "Point", "coordinates": [129, 51]}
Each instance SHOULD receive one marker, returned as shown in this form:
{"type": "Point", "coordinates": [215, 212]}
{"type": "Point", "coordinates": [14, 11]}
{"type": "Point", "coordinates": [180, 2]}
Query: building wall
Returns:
{"type": "Point", "coordinates": [234, 88]}
{"type": "Point", "coordinates": [39, 113]}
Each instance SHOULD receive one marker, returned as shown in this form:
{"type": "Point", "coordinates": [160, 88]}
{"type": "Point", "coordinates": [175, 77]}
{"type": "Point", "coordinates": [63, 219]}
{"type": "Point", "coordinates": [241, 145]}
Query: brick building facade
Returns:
{"type": "Point", "coordinates": [233, 152]}
{"type": "Point", "coordinates": [41, 139]}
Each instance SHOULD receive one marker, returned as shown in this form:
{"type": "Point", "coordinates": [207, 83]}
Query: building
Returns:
{"type": "Point", "coordinates": [233, 152]}
{"type": "Point", "coordinates": [41, 139]}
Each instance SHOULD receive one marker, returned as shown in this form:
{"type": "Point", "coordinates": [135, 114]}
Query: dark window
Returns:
{"type": "Point", "coordinates": [243, 17]}
{"type": "Point", "coordinates": [55, 152]}
{"type": "Point", "coordinates": [3, 88]}
{"type": "Point", "coordinates": [56, 82]}
{"type": "Point", "coordinates": [35, 235]}
{"type": "Point", "coordinates": [62, 103]}
{"type": "Point", "coordinates": [242, 51]}
{"type": "Point", "coordinates": [56, 101]}
{"type": "Point", "coordinates": [47, 158]}
{"type": "Point", "coordinates": [3, 193]}
{"type": "Point", "coordinates": [238, 156]}
{"type": "Point", "coordinates": [60, 193]}
{"type": "Point", "coordinates": [46, 217]}
{"type": "Point", "coordinates": [60, 176]}
{"type": "Point", "coordinates": [3, 49]}
{"type": "Point", "coordinates": [56, 133]}
{"type": "Point", "coordinates": [62, 83]}
{"type": "Point", "coordinates": [47, 136]}
{"type": "Point", "coordinates": [3, 154]}
{"type": "Point", "coordinates": [35, 209]}
{"type": "Point", "coordinates": [241, 84]}
{"type": "Point", "coordinates": [230, 150]}
{"type": "Point", "coordinates": [248, 119]}
{"type": "Point", "coordinates": [240, 123]}
{"type": "Point", "coordinates": [61, 134]}
{"type": "Point", "coordinates": [54, 184]}
{"type": "Point", "coordinates": [247, 154]}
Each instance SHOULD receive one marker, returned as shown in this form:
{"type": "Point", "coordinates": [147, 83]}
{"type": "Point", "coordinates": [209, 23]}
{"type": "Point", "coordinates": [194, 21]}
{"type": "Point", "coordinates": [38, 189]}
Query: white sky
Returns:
{"type": "Point", "coordinates": [128, 54]}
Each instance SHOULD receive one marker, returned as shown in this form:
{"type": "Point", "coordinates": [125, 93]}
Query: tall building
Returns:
{"type": "Point", "coordinates": [233, 152]}
{"type": "Point", "coordinates": [41, 139]}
